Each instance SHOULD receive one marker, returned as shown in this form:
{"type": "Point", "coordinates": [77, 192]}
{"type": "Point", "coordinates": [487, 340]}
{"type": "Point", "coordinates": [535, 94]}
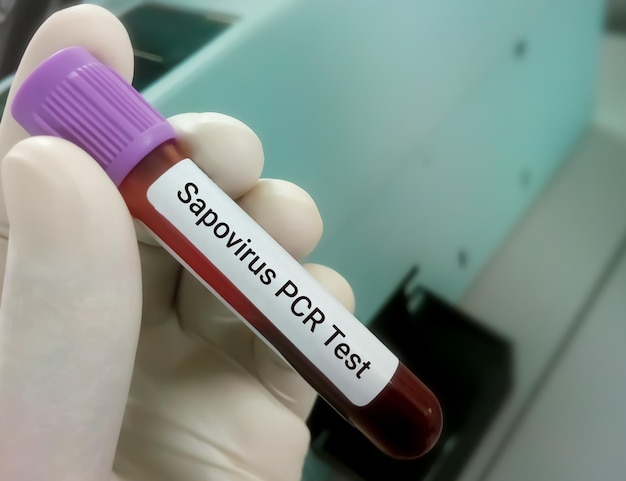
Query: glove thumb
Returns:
{"type": "Point", "coordinates": [69, 315]}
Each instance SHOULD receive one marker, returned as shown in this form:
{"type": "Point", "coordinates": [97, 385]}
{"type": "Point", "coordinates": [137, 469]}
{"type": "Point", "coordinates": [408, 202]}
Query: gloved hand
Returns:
{"type": "Point", "coordinates": [208, 401]}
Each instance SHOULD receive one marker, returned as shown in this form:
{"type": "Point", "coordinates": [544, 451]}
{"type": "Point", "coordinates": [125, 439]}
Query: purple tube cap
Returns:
{"type": "Point", "coordinates": [74, 96]}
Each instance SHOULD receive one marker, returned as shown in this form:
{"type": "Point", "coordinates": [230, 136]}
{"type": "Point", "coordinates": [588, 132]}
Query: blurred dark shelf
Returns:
{"type": "Point", "coordinates": [469, 368]}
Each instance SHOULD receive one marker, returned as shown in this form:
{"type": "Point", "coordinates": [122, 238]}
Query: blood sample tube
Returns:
{"type": "Point", "coordinates": [74, 96]}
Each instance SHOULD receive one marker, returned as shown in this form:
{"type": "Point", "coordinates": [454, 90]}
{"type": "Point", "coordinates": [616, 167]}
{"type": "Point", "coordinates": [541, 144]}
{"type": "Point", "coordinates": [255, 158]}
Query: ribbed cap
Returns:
{"type": "Point", "coordinates": [74, 96]}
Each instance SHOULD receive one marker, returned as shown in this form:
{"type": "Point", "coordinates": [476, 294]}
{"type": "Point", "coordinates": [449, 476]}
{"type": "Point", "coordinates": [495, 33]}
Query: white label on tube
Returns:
{"type": "Point", "coordinates": [324, 331]}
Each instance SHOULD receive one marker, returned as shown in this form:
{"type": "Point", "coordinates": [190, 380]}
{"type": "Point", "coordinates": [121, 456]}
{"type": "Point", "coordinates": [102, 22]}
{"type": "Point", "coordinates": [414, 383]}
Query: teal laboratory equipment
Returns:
{"type": "Point", "coordinates": [424, 129]}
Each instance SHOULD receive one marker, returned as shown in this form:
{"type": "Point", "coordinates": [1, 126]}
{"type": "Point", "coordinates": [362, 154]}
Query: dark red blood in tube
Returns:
{"type": "Point", "coordinates": [404, 420]}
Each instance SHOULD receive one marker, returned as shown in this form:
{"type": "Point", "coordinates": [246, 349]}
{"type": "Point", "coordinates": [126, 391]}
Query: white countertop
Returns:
{"type": "Point", "coordinates": [560, 282]}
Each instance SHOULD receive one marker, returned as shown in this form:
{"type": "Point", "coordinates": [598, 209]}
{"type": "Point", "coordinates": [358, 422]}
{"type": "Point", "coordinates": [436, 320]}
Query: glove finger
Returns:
{"type": "Point", "coordinates": [226, 149]}
{"type": "Point", "coordinates": [275, 374]}
{"type": "Point", "coordinates": [69, 317]}
{"type": "Point", "coordinates": [291, 217]}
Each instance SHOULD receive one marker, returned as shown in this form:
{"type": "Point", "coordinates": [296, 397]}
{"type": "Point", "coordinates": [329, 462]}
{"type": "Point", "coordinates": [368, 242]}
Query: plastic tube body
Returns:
{"type": "Point", "coordinates": [403, 419]}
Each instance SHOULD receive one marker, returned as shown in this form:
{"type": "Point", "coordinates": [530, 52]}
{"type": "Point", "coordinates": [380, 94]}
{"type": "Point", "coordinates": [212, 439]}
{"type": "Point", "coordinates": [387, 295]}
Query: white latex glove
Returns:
{"type": "Point", "coordinates": [208, 400]}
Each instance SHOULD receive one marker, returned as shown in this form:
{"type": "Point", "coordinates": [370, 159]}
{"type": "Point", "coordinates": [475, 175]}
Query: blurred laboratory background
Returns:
{"type": "Point", "coordinates": [469, 160]}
